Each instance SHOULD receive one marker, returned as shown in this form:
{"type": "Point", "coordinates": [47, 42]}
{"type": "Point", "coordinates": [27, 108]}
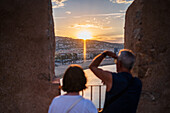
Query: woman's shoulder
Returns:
{"type": "Point", "coordinates": [88, 102]}
{"type": "Point", "coordinates": [56, 98]}
{"type": "Point", "coordinates": [90, 107]}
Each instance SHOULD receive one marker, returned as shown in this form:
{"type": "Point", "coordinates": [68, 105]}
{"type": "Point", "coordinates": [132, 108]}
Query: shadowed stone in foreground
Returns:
{"type": "Point", "coordinates": [147, 34]}
{"type": "Point", "coordinates": [27, 47]}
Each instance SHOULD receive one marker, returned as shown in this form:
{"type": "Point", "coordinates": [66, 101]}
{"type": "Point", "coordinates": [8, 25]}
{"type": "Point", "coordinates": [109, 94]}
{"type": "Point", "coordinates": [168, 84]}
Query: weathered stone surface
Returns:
{"type": "Point", "coordinates": [147, 33]}
{"type": "Point", "coordinates": [27, 46]}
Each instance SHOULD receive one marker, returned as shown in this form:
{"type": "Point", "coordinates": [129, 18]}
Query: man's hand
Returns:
{"type": "Point", "coordinates": [111, 54]}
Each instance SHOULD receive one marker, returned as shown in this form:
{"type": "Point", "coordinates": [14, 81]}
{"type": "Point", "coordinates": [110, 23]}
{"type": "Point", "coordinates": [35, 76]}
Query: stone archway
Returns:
{"type": "Point", "coordinates": [27, 47]}
{"type": "Point", "coordinates": [147, 34]}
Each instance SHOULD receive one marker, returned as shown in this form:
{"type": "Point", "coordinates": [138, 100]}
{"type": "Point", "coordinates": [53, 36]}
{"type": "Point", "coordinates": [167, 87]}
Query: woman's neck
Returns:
{"type": "Point", "coordinates": [72, 93]}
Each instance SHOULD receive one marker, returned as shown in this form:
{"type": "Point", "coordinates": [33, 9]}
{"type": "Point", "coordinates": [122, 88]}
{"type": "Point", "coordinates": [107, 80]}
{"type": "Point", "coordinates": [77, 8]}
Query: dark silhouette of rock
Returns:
{"type": "Point", "coordinates": [27, 47]}
{"type": "Point", "coordinates": [147, 33]}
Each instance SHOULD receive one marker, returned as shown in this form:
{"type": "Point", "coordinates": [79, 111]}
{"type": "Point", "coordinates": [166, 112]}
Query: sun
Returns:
{"type": "Point", "coordinates": [84, 35]}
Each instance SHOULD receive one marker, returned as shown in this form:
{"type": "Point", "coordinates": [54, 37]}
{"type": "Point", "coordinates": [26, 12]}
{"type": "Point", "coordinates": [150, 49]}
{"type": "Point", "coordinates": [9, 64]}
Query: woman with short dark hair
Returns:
{"type": "Point", "coordinates": [74, 81]}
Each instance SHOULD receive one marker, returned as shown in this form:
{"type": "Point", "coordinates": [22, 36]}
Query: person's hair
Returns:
{"type": "Point", "coordinates": [74, 79]}
{"type": "Point", "coordinates": [127, 58]}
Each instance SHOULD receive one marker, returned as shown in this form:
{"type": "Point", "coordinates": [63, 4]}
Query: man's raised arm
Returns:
{"type": "Point", "coordinates": [105, 76]}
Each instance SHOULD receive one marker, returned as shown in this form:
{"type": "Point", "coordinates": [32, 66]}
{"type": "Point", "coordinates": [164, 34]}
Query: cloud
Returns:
{"type": "Point", "coordinates": [77, 26]}
{"type": "Point", "coordinates": [106, 27]}
{"type": "Point", "coordinates": [102, 15]}
{"type": "Point", "coordinates": [59, 17]}
{"type": "Point", "coordinates": [58, 3]}
{"type": "Point", "coordinates": [116, 40]}
{"type": "Point", "coordinates": [84, 26]}
{"type": "Point", "coordinates": [88, 21]}
{"type": "Point", "coordinates": [77, 16]}
{"type": "Point", "coordinates": [110, 37]}
{"type": "Point", "coordinates": [108, 22]}
{"type": "Point", "coordinates": [121, 1]}
{"type": "Point", "coordinates": [119, 14]}
{"type": "Point", "coordinates": [107, 14]}
{"type": "Point", "coordinates": [107, 18]}
{"type": "Point", "coordinates": [68, 12]}
{"type": "Point", "coordinates": [122, 11]}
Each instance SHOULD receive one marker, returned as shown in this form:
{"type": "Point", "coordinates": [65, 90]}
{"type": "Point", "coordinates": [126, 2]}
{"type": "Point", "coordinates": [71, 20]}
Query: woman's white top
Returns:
{"type": "Point", "coordinates": [62, 103]}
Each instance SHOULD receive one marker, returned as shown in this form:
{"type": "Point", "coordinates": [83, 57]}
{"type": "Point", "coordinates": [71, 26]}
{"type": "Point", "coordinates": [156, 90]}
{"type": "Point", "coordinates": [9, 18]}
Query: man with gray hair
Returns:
{"type": "Point", "coordinates": [122, 88]}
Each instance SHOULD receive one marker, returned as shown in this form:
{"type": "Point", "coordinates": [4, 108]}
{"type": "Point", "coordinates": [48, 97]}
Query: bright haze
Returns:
{"type": "Point", "coordinates": [103, 19]}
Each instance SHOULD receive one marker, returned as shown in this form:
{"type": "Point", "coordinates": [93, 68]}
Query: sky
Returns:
{"type": "Point", "coordinates": [104, 19]}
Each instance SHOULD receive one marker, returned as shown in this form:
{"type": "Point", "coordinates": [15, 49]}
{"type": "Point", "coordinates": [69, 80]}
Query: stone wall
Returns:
{"type": "Point", "coordinates": [147, 33]}
{"type": "Point", "coordinates": [27, 46]}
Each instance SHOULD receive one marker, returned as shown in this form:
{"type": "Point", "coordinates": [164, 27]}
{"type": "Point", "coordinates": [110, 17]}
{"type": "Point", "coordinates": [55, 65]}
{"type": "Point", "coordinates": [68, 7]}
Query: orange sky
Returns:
{"type": "Point", "coordinates": [103, 18]}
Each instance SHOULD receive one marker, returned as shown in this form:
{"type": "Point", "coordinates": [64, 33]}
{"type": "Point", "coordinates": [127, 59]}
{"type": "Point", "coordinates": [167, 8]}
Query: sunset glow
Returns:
{"type": "Point", "coordinates": [102, 20]}
{"type": "Point", "coordinates": [84, 35]}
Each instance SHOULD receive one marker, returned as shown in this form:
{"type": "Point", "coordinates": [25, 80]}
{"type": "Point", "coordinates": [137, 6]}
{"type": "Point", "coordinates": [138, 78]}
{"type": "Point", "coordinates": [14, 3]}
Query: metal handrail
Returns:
{"type": "Point", "coordinates": [91, 93]}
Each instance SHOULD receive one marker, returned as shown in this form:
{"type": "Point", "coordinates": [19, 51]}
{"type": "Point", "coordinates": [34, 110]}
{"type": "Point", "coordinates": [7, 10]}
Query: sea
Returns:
{"type": "Point", "coordinates": [93, 80]}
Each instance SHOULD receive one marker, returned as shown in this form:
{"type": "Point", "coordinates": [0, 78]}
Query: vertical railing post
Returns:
{"type": "Point", "coordinates": [82, 93]}
{"type": "Point", "coordinates": [91, 92]}
{"type": "Point", "coordinates": [99, 98]}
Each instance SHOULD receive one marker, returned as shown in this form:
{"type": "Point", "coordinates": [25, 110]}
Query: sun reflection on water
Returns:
{"type": "Point", "coordinates": [84, 51]}
{"type": "Point", "coordinates": [84, 35]}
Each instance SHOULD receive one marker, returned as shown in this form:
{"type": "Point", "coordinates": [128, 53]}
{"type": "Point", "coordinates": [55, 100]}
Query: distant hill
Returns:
{"type": "Point", "coordinates": [68, 43]}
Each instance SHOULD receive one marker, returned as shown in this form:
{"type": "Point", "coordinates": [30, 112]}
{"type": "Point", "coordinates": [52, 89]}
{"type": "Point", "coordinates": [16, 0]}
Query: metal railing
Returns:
{"type": "Point", "coordinates": [91, 93]}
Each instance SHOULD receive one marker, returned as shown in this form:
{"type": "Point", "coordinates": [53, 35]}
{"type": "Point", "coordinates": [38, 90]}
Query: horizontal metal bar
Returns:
{"type": "Point", "coordinates": [95, 85]}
